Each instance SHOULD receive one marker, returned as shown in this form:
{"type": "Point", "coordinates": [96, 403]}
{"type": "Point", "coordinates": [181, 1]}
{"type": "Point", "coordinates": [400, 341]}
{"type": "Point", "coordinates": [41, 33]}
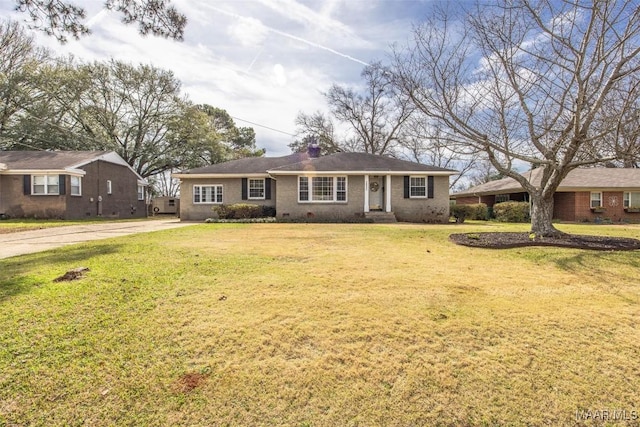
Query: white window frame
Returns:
{"type": "Point", "coordinates": [217, 194]}
{"type": "Point", "coordinates": [313, 198]}
{"type": "Point", "coordinates": [140, 192]}
{"type": "Point", "coordinates": [631, 199]}
{"type": "Point", "coordinates": [110, 188]}
{"type": "Point", "coordinates": [46, 186]}
{"type": "Point", "coordinates": [598, 199]}
{"type": "Point", "coordinates": [412, 187]}
{"type": "Point", "coordinates": [78, 186]}
{"type": "Point", "coordinates": [262, 190]}
{"type": "Point", "coordinates": [341, 190]}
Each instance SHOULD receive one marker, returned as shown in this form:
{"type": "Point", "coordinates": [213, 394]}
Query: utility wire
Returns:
{"type": "Point", "coordinates": [262, 126]}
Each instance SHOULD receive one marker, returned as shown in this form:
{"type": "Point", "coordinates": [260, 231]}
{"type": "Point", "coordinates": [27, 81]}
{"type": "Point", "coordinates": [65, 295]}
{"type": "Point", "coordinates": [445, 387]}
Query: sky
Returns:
{"type": "Point", "coordinates": [263, 61]}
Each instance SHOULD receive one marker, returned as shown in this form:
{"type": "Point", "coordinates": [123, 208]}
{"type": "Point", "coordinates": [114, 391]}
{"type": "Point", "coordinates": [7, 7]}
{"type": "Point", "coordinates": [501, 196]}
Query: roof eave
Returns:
{"type": "Point", "coordinates": [218, 175]}
{"type": "Point", "coordinates": [66, 171]}
{"type": "Point", "coordinates": [361, 172]}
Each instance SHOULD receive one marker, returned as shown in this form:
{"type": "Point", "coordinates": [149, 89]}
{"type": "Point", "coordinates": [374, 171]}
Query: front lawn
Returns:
{"type": "Point", "coordinates": [320, 325]}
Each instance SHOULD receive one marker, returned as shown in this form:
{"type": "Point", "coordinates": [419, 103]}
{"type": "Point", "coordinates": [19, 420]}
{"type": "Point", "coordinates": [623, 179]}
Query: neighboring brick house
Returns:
{"type": "Point", "coordinates": [586, 194]}
{"type": "Point", "coordinates": [69, 185]}
{"type": "Point", "coordinates": [339, 186]}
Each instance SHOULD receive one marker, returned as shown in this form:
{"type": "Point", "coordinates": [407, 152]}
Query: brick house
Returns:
{"type": "Point", "coordinates": [69, 185]}
{"type": "Point", "coordinates": [337, 187]}
{"type": "Point", "coordinates": [586, 194]}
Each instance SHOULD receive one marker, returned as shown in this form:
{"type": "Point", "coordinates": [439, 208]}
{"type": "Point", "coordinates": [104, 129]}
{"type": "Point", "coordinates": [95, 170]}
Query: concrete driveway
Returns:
{"type": "Point", "coordinates": [27, 242]}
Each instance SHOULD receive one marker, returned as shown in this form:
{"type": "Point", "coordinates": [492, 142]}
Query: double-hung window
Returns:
{"type": "Point", "coordinates": [256, 189]}
{"type": "Point", "coordinates": [76, 186]}
{"type": "Point", "coordinates": [45, 184]}
{"type": "Point", "coordinates": [418, 186]}
{"type": "Point", "coordinates": [596, 200]}
{"type": "Point", "coordinates": [341, 188]}
{"type": "Point", "coordinates": [140, 192]}
{"type": "Point", "coordinates": [209, 194]}
{"type": "Point", "coordinates": [632, 199]}
{"type": "Point", "coordinates": [322, 189]}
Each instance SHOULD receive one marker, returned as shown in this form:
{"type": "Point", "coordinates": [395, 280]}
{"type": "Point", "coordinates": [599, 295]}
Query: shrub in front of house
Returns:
{"type": "Point", "coordinates": [479, 211]}
{"type": "Point", "coordinates": [268, 211]}
{"type": "Point", "coordinates": [238, 211]}
{"type": "Point", "coordinates": [511, 212]}
{"type": "Point", "coordinates": [461, 212]}
{"type": "Point", "coordinates": [240, 221]}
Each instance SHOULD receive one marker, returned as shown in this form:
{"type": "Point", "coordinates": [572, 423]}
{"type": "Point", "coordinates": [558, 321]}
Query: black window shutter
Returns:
{"type": "Point", "coordinates": [267, 188]}
{"type": "Point", "coordinates": [245, 191]}
{"type": "Point", "coordinates": [406, 187]}
{"type": "Point", "coordinates": [430, 187]}
{"type": "Point", "coordinates": [61, 184]}
{"type": "Point", "coordinates": [26, 180]}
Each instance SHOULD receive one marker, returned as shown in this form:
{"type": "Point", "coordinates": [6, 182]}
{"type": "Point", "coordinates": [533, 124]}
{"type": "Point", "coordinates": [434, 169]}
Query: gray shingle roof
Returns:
{"type": "Point", "coordinates": [578, 179]}
{"type": "Point", "coordinates": [301, 162]}
{"type": "Point", "coordinates": [46, 160]}
{"type": "Point", "coordinates": [58, 160]}
{"type": "Point", "coordinates": [354, 162]}
{"type": "Point", "coordinates": [249, 165]}
{"type": "Point", "coordinates": [33, 160]}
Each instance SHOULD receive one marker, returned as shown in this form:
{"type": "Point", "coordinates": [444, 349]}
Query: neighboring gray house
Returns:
{"type": "Point", "coordinates": [69, 185]}
{"type": "Point", "coordinates": [586, 194]}
{"type": "Point", "coordinates": [339, 186]}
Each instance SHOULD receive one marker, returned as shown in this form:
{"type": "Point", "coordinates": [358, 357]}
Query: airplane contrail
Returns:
{"type": "Point", "coordinates": [291, 36]}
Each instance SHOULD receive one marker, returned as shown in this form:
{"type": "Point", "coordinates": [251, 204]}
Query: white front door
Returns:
{"type": "Point", "coordinates": [376, 190]}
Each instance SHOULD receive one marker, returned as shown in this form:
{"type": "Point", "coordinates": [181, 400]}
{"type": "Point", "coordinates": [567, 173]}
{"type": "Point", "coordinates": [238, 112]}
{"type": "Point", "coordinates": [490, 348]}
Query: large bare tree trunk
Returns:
{"type": "Point", "coordinates": [542, 216]}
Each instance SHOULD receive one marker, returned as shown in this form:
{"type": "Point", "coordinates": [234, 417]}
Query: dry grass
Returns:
{"type": "Point", "coordinates": [319, 325]}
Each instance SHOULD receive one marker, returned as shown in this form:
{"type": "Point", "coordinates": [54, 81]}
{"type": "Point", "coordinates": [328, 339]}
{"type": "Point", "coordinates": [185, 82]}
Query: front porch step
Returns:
{"type": "Point", "coordinates": [380, 217]}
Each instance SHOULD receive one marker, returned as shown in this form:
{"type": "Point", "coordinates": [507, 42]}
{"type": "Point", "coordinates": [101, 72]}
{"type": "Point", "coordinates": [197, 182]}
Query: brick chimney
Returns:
{"type": "Point", "coordinates": [313, 149]}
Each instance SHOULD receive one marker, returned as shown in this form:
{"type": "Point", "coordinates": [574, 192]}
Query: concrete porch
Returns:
{"type": "Point", "coordinates": [380, 217]}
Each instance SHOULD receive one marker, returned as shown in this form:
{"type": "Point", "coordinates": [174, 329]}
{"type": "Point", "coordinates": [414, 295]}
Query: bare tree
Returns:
{"type": "Point", "coordinates": [132, 109]}
{"type": "Point", "coordinates": [425, 142]}
{"type": "Point", "coordinates": [376, 115]}
{"type": "Point", "coordinates": [526, 82]}
{"type": "Point", "coordinates": [624, 143]}
{"type": "Point", "coordinates": [60, 18]}
{"type": "Point", "coordinates": [316, 127]}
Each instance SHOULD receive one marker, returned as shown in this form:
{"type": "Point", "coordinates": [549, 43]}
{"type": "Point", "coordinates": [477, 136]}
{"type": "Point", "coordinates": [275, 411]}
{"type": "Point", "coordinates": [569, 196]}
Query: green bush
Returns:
{"type": "Point", "coordinates": [511, 212]}
{"type": "Point", "coordinates": [461, 212]}
{"type": "Point", "coordinates": [479, 211]}
{"type": "Point", "coordinates": [473, 211]}
{"type": "Point", "coordinates": [238, 211]}
{"type": "Point", "coordinates": [268, 211]}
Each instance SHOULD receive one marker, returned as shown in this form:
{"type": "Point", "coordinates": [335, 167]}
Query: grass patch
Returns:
{"type": "Point", "coordinates": [320, 325]}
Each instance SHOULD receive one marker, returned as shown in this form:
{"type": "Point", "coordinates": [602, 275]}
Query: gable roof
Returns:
{"type": "Point", "coordinates": [358, 163]}
{"type": "Point", "coordinates": [582, 179]}
{"type": "Point", "coordinates": [245, 166]}
{"type": "Point", "coordinates": [294, 164]}
{"type": "Point", "coordinates": [57, 161]}
{"type": "Point", "coordinates": [46, 160]}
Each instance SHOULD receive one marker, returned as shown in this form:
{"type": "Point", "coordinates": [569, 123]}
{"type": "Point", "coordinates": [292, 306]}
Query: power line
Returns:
{"type": "Point", "coordinates": [262, 126]}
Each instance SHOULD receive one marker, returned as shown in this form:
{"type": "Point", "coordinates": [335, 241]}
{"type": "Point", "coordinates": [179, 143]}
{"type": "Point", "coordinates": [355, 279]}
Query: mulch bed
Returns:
{"type": "Point", "coordinates": [518, 240]}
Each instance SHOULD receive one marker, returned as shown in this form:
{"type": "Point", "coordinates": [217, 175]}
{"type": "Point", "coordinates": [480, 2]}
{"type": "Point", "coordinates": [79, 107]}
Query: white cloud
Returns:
{"type": "Point", "coordinates": [248, 31]}
{"type": "Point", "coordinates": [279, 75]}
{"type": "Point", "coordinates": [261, 60]}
